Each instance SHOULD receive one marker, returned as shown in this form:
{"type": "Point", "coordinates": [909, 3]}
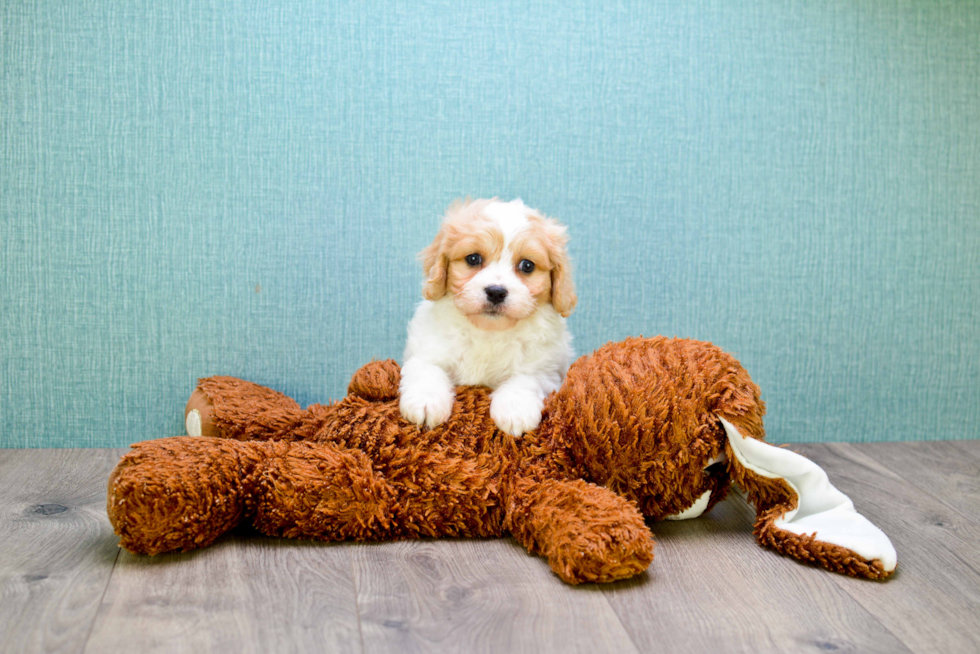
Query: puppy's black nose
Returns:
{"type": "Point", "coordinates": [496, 294]}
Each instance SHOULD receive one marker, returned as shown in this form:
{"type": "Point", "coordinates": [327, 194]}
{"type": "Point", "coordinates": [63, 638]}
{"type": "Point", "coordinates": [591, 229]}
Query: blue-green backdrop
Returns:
{"type": "Point", "coordinates": [192, 188]}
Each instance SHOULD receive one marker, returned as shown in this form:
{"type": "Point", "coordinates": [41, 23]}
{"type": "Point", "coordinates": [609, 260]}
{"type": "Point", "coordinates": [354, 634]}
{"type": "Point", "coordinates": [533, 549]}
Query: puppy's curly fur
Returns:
{"type": "Point", "coordinates": [498, 289]}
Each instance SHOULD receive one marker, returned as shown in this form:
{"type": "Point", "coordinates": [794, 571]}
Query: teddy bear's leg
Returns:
{"type": "Point", "coordinates": [800, 514]}
{"type": "Point", "coordinates": [324, 491]}
{"type": "Point", "coordinates": [331, 492]}
{"type": "Point", "coordinates": [181, 493]}
{"type": "Point", "coordinates": [588, 533]}
{"type": "Point", "coordinates": [227, 407]}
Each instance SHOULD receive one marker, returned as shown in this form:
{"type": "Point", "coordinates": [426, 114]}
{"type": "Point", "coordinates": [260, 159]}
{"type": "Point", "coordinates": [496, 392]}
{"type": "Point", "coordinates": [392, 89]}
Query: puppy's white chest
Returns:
{"type": "Point", "coordinates": [440, 335]}
{"type": "Point", "coordinates": [490, 362]}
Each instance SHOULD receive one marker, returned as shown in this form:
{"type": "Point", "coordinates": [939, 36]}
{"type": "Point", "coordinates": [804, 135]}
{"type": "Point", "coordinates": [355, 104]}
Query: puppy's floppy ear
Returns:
{"type": "Point", "coordinates": [435, 260]}
{"type": "Point", "coordinates": [563, 296]}
{"type": "Point", "coordinates": [435, 263]}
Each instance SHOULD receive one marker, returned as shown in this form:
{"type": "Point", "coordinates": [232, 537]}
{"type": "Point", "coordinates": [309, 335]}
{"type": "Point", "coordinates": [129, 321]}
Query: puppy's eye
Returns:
{"type": "Point", "coordinates": [526, 266]}
{"type": "Point", "coordinates": [474, 259]}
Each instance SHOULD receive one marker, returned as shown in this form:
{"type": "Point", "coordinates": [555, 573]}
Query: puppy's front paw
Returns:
{"type": "Point", "coordinates": [515, 412]}
{"type": "Point", "coordinates": [431, 406]}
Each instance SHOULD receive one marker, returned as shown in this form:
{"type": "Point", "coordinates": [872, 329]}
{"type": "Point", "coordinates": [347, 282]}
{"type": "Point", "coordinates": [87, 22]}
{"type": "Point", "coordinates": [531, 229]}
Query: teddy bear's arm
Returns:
{"type": "Point", "coordinates": [588, 533]}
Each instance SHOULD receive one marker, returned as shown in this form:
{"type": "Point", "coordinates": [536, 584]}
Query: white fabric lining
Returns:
{"type": "Point", "coordinates": [192, 423]}
{"type": "Point", "coordinates": [822, 509]}
{"type": "Point", "coordinates": [694, 510]}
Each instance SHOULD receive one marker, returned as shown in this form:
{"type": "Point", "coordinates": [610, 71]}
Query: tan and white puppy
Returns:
{"type": "Point", "coordinates": [498, 289]}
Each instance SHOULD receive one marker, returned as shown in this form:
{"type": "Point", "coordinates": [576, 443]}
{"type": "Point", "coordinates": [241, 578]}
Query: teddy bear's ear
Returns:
{"type": "Point", "coordinates": [801, 514]}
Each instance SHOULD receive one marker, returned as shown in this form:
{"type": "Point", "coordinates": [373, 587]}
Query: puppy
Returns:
{"type": "Point", "coordinates": [498, 289]}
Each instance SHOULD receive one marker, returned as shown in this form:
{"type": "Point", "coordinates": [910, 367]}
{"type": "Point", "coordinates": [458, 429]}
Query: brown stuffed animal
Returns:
{"type": "Point", "coordinates": [646, 427]}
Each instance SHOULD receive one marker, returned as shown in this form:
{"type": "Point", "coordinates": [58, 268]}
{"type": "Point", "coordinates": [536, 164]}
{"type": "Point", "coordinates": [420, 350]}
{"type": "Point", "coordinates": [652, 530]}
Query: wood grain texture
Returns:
{"type": "Point", "coordinates": [476, 596]}
{"type": "Point", "coordinates": [947, 470]}
{"type": "Point", "coordinates": [932, 603]}
{"type": "Point", "coordinates": [57, 548]}
{"type": "Point", "coordinates": [713, 588]}
{"type": "Point", "coordinates": [246, 593]}
{"type": "Point", "coordinates": [64, 585]}
{"type": "Point", "coordinates": [966, 448]}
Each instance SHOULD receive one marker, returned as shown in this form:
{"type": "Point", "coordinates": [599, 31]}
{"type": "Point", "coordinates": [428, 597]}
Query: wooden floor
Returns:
{"type": "Point", "coordinates": [66, 586]}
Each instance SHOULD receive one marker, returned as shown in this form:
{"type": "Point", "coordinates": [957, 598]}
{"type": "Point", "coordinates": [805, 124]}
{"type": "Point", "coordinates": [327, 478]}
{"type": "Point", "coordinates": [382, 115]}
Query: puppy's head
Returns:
{"type": "Point", "coordinates": [500, 261]}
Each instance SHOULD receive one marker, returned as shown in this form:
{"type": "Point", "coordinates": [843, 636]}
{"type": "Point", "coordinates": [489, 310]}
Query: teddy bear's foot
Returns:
{"type": "Point", "coordinates": [192, 423]}
{"type": "Point", "coordinates": [801, 514]}
{"type": "Point", "coordinates": [180, 493]}
{"type": "Point", "coordinates": [226, 407]}
{"type": "Point", "coordinates": [588, 533]}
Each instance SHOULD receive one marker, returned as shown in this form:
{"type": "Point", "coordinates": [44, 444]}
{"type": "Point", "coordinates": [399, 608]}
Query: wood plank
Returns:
{"type": "Point", "coordinates": [245, 593]}
{"type": "Point", "coordinates": [476, 596]}
{"type": "Point", "coordinates": [968, 448]}
{"type": "Point", "coordinates": [57, 548]}
{"type": "Point", "coordinates": [712, 588]}
{"type": "Point", "coordinates": [947, 470]}
{"type": "Point", "coordinates": [933, 601]}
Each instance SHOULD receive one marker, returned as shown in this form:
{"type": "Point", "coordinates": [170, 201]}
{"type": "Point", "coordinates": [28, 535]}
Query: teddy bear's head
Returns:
{"type": "Point", "coordinates": [634, 416]}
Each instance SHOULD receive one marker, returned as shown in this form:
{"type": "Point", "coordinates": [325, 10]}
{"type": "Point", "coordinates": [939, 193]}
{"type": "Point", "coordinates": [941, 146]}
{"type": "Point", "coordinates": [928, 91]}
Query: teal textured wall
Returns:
{"type": "Point", "coordinates": [193, 188]}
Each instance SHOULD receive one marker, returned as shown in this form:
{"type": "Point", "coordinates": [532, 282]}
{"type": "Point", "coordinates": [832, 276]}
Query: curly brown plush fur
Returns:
{"type": "Point", "coordinates": [631, 433]}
